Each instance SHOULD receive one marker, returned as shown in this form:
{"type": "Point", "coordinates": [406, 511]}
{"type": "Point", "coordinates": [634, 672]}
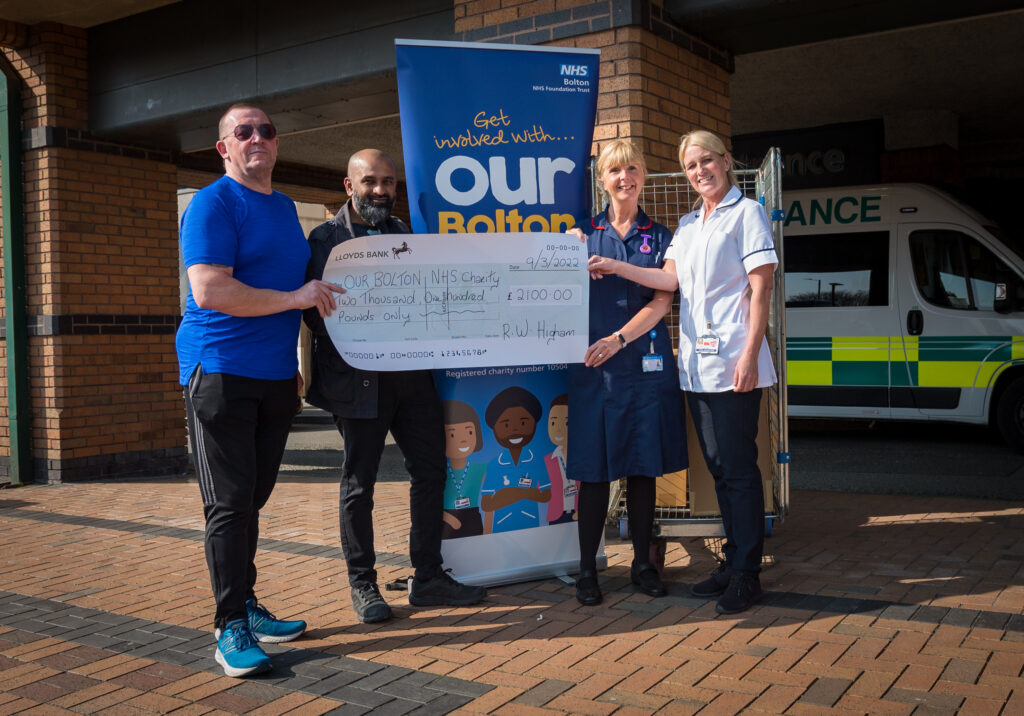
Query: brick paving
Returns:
{"type": "Point", "coordinates": [875, 604]}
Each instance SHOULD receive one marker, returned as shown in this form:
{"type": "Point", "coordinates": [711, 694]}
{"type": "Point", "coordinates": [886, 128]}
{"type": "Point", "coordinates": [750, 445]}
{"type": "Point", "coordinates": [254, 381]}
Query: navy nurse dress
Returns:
{"type": "Point", "coordinates": [623, 421]}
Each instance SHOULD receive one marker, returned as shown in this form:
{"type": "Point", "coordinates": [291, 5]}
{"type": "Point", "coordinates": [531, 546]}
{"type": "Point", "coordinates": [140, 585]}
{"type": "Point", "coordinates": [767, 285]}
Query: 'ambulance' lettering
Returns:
{"type": "Point", "coordinates": [844, 210]}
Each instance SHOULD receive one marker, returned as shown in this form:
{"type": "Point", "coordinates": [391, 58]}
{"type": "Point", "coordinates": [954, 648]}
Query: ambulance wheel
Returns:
{"type": "Point", "coordinates": [1010, 415]}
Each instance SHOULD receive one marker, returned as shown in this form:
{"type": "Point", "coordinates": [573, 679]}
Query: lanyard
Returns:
{"type": "Point", "coordinates": [458, 482]}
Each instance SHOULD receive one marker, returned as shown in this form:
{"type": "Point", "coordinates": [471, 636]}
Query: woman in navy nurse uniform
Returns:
{"type": "Point", "coordinates": [624, 400]}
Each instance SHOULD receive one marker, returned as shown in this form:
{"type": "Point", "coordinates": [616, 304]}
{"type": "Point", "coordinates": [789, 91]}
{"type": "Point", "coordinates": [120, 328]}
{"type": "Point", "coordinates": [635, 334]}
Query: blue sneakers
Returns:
{"type": "Point", "coordinates": [266, 628]}
{"type": "Point", "coordinates": [239, 652]}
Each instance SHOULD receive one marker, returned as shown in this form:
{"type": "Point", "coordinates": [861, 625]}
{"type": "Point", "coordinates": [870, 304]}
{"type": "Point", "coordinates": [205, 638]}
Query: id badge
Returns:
{"type": "Point", "coordinates": [461, 503]}
{"type": "Point", "coordinates": [525, 482]}
{"type": "Point", "coordinates": [707, 345]}
{"type": "Point", "coordinates": [652, 363]}
{"type": "Point", "coordinates": [570, 488]}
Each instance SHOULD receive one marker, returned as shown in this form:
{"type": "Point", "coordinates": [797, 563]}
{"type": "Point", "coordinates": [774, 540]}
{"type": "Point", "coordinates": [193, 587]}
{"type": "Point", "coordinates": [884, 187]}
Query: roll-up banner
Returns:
{"type": "Point", "coordinates": [496, 139]}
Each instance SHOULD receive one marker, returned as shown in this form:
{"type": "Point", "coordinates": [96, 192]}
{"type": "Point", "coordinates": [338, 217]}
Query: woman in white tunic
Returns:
{"type": "Point", "coordinates": [721, 258]}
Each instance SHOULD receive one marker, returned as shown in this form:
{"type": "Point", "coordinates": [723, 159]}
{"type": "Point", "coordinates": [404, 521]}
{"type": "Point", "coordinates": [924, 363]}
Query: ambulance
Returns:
{"type": "Point", "coordinates": [902, 304]}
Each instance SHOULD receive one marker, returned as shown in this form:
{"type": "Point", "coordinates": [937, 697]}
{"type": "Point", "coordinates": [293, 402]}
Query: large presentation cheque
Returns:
{"type": "Point", "coordinates": [459, 300]}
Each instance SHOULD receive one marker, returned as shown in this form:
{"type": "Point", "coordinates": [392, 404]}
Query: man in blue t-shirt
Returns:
{"type": "Point", "coordinates": [245, 255]}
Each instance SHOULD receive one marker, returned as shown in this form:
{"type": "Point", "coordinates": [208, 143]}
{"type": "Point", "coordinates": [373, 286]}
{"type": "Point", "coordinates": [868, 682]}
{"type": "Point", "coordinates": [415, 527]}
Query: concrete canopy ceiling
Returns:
{"type": "Point", "coordinates": [799, 63]}
{"type": "Point", "coordinates": [322, 132]}
{"type": "Point", "coordinates": [76, 13]}
{"type": "Point", "coordinates": [334, 145]}
{"type": "Point", "coordinates": [973, 68]}
{"type": "Point", "coordinates": [745, 26]}
{"type": "Point", "coordinates": [326, 76]}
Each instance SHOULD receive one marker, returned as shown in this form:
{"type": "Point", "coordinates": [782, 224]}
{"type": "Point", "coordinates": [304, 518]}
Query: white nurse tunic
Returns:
{"type": "Point", "coordinates": [713, 259]}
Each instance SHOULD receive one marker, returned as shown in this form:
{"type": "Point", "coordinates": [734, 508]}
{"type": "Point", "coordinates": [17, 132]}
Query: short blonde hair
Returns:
{"type": "Point", "coordinates": [707, 140]}
{"type": "Point", "coordinates": [619, 153]}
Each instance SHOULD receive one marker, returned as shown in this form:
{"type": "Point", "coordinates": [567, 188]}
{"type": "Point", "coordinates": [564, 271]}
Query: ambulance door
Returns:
{"type": "Point", "coordinates": [841, 322]}
{"type": "Point", "coordinates": [954, 341]}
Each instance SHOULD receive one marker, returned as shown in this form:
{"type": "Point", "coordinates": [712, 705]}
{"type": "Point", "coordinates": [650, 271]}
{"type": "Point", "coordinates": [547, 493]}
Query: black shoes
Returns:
{"type": "Point", "coordinates": [588, 593]}
{"type": "Point", "coordinates": [738, 591]}
{"type": "Point", "coordinates": [369, 604]}
{"type": "Point", "coordinates": [647, 580]}
{"type": "Point", "coordinates": [644, 576]}
{"type": "Point", "coordinates": [714, 585]}
{"type": "Point", "coordinates": [743, 592]}
{"type": "Point", "coordinates": [439, 590]}
{"type": "Point", "coordinates": [442, 590]}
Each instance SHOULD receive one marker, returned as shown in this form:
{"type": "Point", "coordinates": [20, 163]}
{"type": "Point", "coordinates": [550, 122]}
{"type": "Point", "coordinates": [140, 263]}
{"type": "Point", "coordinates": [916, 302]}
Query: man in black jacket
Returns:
{"type": "Point", "coordinates": [367, 404]}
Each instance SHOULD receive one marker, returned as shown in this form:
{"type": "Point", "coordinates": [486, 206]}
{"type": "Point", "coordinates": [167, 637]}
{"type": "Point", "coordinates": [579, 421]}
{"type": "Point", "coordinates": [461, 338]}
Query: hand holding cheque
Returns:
{"type": "Point", "coordinates": [459, 300]}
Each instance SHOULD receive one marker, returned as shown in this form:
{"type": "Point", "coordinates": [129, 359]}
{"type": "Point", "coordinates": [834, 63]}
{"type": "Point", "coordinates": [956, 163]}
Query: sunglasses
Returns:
{"type": "Point", "coordinates": [243, 132]}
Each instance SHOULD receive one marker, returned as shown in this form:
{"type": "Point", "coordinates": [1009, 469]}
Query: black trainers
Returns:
{"type": "Point", "coordinates": [743, 592]}
{"type": "Point", "coordinates": [647, 580]}
{"type": "Point", "coordinates": [369, 604]}
{"type": "Point", "coordinates": [714, 585]}
{"type": "Point", "coordinates": [442, 590]}
{"type": "Point", "coordinates": [588, 591]}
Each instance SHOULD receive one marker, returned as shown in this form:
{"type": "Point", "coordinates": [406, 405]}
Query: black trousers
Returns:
{"type": "Point", "coordinates": [408, 406]}
{"type": "Point", "coordinates": [238, 428]}
{"type": "Point", "coordinates": [726, 426]}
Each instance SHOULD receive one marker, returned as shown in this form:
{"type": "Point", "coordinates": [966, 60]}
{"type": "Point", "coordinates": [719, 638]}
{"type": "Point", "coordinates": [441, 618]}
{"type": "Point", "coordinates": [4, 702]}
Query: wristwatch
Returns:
{"type": "Point", "coordinates": [622, 339]}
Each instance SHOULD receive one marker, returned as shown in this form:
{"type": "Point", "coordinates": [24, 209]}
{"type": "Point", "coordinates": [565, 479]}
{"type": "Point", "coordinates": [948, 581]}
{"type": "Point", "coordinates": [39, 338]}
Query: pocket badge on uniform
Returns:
{"type": "Point", "coordinates": [707, 344]}
{"type": "Point", "coordinates": [525, 482]}
{"type": "Point", "coordinates": [652, 363]}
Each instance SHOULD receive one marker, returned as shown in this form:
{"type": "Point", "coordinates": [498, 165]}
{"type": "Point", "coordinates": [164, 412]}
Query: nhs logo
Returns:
{"type": "Point", "coordinates": [574, 71]}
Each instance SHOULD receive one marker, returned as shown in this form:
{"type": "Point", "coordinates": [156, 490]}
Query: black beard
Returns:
{"type": "Point", "coordinates": [372, 214]}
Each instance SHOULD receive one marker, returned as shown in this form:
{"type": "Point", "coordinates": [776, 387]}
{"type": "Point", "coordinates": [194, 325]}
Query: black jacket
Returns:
{"type": "Point", "coordinates": [334, 385]}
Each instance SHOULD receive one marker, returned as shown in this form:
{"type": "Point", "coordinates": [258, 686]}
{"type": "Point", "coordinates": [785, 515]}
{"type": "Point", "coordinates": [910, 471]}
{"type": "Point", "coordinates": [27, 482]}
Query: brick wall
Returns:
{"type": "Point", "coordinates": [102, 278]}
{"type": "Point", "coordinates": [54, 69]}
{"type": "Point", "coordinates": [657, 82]}
{"type": "Point", "coordinates": [653, 91]}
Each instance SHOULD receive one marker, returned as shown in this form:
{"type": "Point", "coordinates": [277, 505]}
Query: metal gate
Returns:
{"type": "Point", "coordinates": [665, 198]}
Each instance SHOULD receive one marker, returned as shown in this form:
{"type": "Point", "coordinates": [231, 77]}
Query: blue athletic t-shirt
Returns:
{"type": "Point", "coordinates": [259, 236]}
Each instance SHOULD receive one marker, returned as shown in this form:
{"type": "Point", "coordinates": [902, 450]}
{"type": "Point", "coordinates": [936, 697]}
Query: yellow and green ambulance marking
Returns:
{"type": "Point", "coordinates": [917, 361]}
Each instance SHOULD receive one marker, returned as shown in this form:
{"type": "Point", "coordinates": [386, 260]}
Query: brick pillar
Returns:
{"type": "Point", "coordinates": [102, 278]}
{"type": "Point", "coordinates": [657, 82]}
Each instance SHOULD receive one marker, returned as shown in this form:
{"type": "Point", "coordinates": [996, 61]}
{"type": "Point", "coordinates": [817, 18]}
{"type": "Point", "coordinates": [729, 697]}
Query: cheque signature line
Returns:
{"type": "Point", "coordinates": [448, 312]}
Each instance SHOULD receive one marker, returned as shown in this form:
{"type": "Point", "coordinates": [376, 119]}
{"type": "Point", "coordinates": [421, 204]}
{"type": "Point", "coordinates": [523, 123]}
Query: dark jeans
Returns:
{"type": "Point", "coordinates": [726, 426]}
{"type": "Point", "coordinates": [238, 428]}
{"type": "Point", "coordinates": [409, 407]}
